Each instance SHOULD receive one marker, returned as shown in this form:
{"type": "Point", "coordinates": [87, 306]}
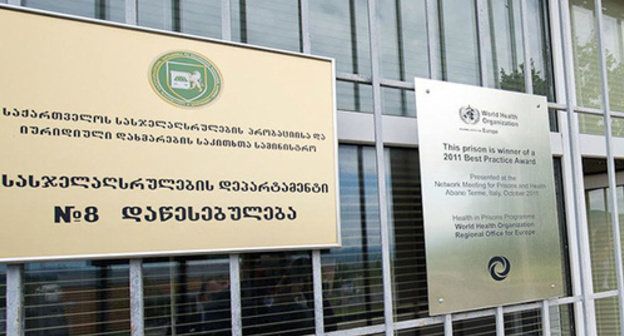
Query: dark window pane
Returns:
{"type": "Point", "coordinates": [563, 231]}
{"type": "Point", "coordinates": [482, 326]}
{"type": "Point", "coordinates": [188, 295]}
{"type": "Point", "coordinates": [77, 298]}
{"type": "Point", "coordinates": [197, 17]}
{"type": "Point", "coordinates": [562, 320]}
{"type": "Point", "coordinates": [458, 40]}
{"type": "Point", "coordinates": [270, 23]}
{"type": "Point", "coordinates": [525, 323]}
{"type": "Point", "coordinates": [553, 118]}
{"type": "Point", "coordinates": [106, 10]}
{"type": "Point", "coordinates": [405, 222]}
{"type": "Point", "coordinates": [339, 29]}
{"type": "Point", "coordinates": [2, 299]}
{"type": "Point", "coordinates": [276, 292]}
{"type": "Point", "coordinates": [403, 38]}
{"type": "Point", "coordinates": [352, 285]}
{"type": "Point", "coordinates": [436, 330]}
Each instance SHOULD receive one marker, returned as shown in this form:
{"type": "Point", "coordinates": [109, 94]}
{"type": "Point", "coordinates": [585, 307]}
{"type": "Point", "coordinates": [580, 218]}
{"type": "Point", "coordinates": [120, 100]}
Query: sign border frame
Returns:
{"type": "Point", "coordinates": [147, 30]}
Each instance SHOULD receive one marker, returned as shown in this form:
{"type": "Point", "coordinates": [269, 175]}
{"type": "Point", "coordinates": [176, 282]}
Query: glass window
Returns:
{"type": "Point", "coordinates": [594, 124]}
{"type": "Point", "coordinates": [607, 316]}
{"type": "Point", "coordinates": [407, 244]}
{"type": "Point", "coordinates": [271, 23]}
{"type": "Point", "coordinates": [504, 49]}
{"type": "Point", "coordinates": [613, 32]}
{"type": "Point", "coordinates": [482, 326]}
{"type": "Point", "coordinates": [562, 320]}
{"type": "Point", "coordinates": [436, 330]}
{"type": "Point", "coordinates": [276, 294]}
{"type": "Point", "coordinates": [187, 296]}
{"type": "Point", "coordinates": [354, 96]}
{"type": "Point", "coordinates": [523, 323]}
{"type": "Point", "coordinates": [403, 39]}
{"type": "Point", "coordinates": [2, 298]}
{"type": "Point", "coordinates": [599, 222]}
{"type": "Point", "coordinates": [197, 17]}
{"type": "Point", "coordinates": [563, 231]}
{"type": "Point", "coordinates": [77, 298]}
{"type": "Point", "coordinates": [585, 50]}
{"type": "Point", "coordinates": [458, 41]}
{"type": "Point", "coordinates": [113, 10]}
{"type": "Point", "coordinates": [540, 49]}
{"type": "Point", "coordinates": [339, 29]}
{"type": "Point", "coordinates": [352, 275]}
{"type": "Point", "coordinates": [399, 102]}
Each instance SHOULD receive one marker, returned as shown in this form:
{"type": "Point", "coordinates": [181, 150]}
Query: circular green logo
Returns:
{"type": "Point", "coordinates": [185, 78]}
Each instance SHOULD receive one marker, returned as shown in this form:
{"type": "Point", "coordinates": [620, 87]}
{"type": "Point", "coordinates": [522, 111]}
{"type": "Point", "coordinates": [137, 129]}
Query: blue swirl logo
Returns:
{"type": "Point", "coordinates": [499, 267]}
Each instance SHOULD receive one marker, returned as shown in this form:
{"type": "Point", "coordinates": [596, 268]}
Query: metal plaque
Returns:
{"type": "Point", "coordinates": [491, 229]}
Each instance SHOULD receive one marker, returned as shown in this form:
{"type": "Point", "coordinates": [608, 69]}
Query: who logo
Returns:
{"type": "Point", "coordinates": [185, 78]}
{"type": "Point", "coordinates": [469, 115]}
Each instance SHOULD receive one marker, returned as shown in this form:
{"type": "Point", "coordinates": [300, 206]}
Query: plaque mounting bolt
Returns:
{"type": "Point", "coordinates": [539, 105]}
{"type": "Point", "coordinates": [552, 286]}
{"type": "Point", "coordinates": [427, 91]}
{"type": "Point", "coordinates": [441, 300]}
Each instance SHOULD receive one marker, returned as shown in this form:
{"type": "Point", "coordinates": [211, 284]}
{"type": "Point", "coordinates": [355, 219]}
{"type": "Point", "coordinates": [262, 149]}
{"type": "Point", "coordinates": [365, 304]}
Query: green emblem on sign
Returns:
{"type": "Point", "coordinates": [185, 78]}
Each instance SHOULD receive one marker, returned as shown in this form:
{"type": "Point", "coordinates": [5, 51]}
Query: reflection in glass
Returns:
{"type": "Point", "coordinates": [276, 294]}
{"type": "Point", "coordinates": [270, 23]}
{"type": "Point", "coordinates": [458, 41]}
{"type": "Point", "coordinates": [77, 298]}
{"type": "Point", "coordinates": [539, 48]}
{"type": "Point", "coordinates": [352, 275]}
{"type": "Point", "coordinates": [187, 296]}
{"type": "Point", "coordinates": [339, 29]}
{"type": "Point", "coordinates": [505, 61]}
{"type": "Point", "coordinates": [403, 39]}
{"type": "Point", "coordinates": [613, 32]}
{"type": "Point", "coordinates": [197, 17]}
{"type": "Point", "coordinates": [113, 10]}
{"type": "Point", "coordinates": [585, 50]}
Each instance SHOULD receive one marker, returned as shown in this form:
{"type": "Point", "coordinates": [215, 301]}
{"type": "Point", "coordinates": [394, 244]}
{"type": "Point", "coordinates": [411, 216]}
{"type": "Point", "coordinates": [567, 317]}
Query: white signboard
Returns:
{"type": "Point", "coordinates": [491, 229]}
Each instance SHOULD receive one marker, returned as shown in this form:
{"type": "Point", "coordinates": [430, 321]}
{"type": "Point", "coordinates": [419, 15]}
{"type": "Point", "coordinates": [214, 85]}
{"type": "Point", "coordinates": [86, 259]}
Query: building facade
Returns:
{"type": "Point", "coordinates": [376, 283]}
